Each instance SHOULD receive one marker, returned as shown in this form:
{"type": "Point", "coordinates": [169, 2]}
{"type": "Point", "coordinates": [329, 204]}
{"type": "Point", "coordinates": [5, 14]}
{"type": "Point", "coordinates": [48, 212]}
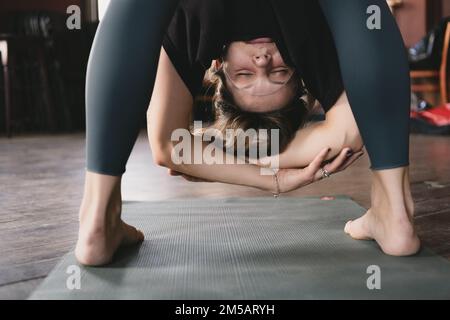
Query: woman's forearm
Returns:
{"type": "Point", "coordinates": [225, 169]}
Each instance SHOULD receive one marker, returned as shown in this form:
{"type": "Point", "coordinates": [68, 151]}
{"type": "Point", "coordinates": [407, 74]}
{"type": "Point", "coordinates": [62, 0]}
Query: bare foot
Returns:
{"type": "Point", "coordinates": [97, 244]}
{"type": "Point", "coordinates": [395, 235]}
{"type": "Point", "coordinates": [102, 230]}
{"type": "Point", "coordinates": [390, 220]}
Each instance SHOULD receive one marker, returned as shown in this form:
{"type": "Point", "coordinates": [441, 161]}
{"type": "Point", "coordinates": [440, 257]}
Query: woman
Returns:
{"type": "Point", "coordinates": [374, 107]}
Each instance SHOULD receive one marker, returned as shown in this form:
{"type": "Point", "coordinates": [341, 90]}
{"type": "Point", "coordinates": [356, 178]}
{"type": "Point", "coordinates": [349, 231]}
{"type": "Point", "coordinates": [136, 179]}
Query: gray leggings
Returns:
{"type": "Point", "coordinates": [124, 59]}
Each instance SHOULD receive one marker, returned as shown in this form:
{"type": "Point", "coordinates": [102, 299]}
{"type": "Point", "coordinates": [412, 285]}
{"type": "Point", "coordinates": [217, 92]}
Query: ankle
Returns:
{"type": "Point", "coordinates": [100, 217]}
{"type": "Point", "coordinates": [101, 194]}
{"type": "Point", "coordinates": [393, 195]}
{"type": "Point", "coordinates": [392, 207]}
{"type": "Point", "coordinates": [394, 217]}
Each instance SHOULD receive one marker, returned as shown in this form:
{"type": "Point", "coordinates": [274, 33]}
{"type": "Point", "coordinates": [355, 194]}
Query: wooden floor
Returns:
{"type": "Point", "coordinates": [41, 184]}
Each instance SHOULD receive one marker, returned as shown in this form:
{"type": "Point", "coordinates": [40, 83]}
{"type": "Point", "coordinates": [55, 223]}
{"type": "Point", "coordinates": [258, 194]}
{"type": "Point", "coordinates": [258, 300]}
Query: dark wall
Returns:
{"type": "Point", "coordinates": [57, 5]}
{"type": "Point", "coordinates": [7, 7]}
{"type": "Point", "coordinates": [47, 68]}
{"type": "Point", "coordinates": [411, 18]}
{"type": "Point", "coordinates": [416, 17]}
{"type": "Point", "coordinates": [446, 8]}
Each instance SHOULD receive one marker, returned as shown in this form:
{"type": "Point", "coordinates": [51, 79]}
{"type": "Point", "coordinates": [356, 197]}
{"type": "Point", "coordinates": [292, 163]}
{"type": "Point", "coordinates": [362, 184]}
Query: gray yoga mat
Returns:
{"type": "Point", "coordinates": [258, 248]}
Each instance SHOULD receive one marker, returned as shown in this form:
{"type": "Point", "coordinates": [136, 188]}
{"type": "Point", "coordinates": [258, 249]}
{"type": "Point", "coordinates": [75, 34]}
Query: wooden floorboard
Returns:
{"type": "Point", "coordinates": [41, 185]}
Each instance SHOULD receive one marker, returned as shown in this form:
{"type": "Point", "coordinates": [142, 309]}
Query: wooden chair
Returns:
{"type": "Point", "coordinates": [440, 74]}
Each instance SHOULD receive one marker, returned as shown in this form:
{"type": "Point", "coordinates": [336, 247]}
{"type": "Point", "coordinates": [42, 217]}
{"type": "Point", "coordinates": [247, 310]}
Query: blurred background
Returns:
{"type": "Point", "coordinates": [44, 63]}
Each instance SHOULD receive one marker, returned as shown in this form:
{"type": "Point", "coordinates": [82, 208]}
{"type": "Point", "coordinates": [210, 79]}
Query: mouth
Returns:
{"type": "Point", "coordinates": [260, 40]}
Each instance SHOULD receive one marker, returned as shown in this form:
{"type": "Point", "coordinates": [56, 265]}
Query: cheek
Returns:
{"type": "Point", "coordinates": [276, 56]}
{"type": "Point", "coordinates": [237, 56]}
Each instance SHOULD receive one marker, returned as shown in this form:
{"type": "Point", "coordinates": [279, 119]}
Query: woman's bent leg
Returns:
{"type": "Point", "coordinates": [375, 72]}
{"type": "Point", "coordinates": [120, 77]}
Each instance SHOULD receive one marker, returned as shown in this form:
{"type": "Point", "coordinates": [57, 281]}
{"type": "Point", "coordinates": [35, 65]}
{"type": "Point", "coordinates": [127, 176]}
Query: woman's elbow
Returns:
{"type": "Point", "coordinates": [161, 155]}
{"type": "Point", "coordinates": [160, 159]}
{"type": "Point", "coordinates": [160, 149]}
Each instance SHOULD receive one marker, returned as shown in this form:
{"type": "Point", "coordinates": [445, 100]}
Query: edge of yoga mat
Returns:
{"type": "Point", "coordinates": [424, 276]}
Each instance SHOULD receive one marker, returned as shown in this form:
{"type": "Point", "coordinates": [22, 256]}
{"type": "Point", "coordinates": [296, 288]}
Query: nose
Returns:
{"type": "Point", "coordinates": [262, 59]}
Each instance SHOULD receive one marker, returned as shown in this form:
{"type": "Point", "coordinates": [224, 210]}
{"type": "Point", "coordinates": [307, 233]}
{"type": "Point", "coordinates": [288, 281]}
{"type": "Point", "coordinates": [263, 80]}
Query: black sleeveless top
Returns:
{"type": "Point", "coordinates": [200, 28]}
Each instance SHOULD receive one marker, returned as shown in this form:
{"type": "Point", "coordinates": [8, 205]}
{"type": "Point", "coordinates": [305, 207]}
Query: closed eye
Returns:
{"type": "Point", "coordinates": [283, 71]}
{"type": "Point", "coordinates": [244, 74]}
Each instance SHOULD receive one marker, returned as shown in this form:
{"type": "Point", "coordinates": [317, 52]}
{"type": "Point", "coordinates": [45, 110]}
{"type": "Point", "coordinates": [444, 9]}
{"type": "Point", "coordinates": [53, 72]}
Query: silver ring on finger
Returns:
{"type": "Point", "coordinates": [325, 173]}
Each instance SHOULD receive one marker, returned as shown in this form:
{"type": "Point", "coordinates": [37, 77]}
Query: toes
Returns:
{"type": "Point", "coordinates": [355, 230]}
{"type": "Point", "coordinates": [132, 235]}
{"type": "Point", "coordinates": [140, 235]}
{"type": "Point", "coordinates": [347, 227]}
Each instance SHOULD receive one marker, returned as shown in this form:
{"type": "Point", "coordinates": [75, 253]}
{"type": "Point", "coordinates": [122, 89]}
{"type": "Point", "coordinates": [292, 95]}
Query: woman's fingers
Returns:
{"type": "Point", "coordinates": [350, 160]}
{"type": "Point", "coordinates": [338, 161]}
{"type": "Point", "coordinates": [310, 171]}
{"type": "Point", "coordinates": [333, 166]}
{"type": "Point", "coordinates": [291, 179]}
{"type": "Point", "coordinates": [313, 172]}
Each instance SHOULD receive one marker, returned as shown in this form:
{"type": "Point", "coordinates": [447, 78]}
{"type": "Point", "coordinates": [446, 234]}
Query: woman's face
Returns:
{"type": "Point", "coordinates": [257, 76]}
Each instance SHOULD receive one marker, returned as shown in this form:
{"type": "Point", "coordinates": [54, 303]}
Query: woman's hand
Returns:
{"type": "Point", "coordinates": [292, 179]}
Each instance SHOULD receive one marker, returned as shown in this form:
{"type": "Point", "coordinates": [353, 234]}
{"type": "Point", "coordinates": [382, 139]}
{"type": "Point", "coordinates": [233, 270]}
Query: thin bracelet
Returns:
{"type": "Point", "coordinates": [276, 195]}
